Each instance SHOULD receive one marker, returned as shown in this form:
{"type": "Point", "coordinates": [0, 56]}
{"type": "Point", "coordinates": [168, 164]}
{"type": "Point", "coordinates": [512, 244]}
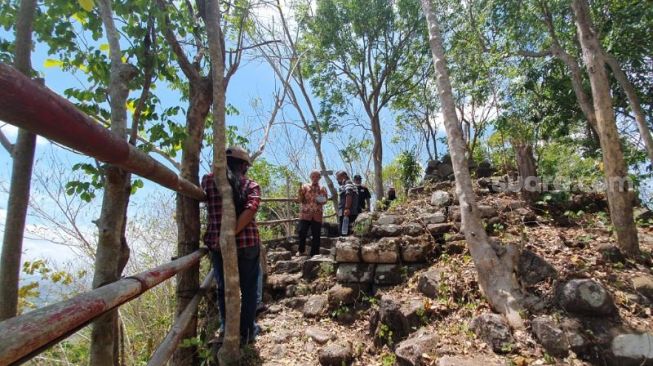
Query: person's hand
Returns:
{"type": "Point", "coordinates": [347, 212]}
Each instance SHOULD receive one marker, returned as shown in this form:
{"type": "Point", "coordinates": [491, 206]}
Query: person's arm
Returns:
{"type": "Point", "coordinates": [251, 206]}
{"type": "Point", "coordinates": [348, 201]}
{"type": "Point", "coordinates": [244, 219]}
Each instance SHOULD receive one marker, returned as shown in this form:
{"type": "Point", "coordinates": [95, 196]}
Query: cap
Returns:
{"type": "Point", "coordinates": [340, 172]}
{"type": "Point", "coordinates": [239, 153]}
{"type": "Point", "coordinates": [357, 176]}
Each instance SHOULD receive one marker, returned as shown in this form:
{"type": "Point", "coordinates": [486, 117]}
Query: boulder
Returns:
{"type": "Point", "coordinates": [341, 294]}
{"type": "Point", "coordinates": [348, 250]}
{"type": "Point", "coordinates": [315, 306]}
{"type": "Point", "coordinates": [632, 349]}
{"type": "Point", "coordinates": [438, 229]}
{"type": "Point", "coordinates": [610, 253]}
{"type": "Point", "coordinates": [413, 229]}
{"type": "Point", "coordinates": [429, 283]}
{"type": "Point", "coordinates": [388, 219]}
{"type": "Point", "coordinates": [434, 218]}
{"type": "Point", "coordinates": [386, 230]}
{"type": "Point", "coordinates": [363, 224]}
{"type": "Point", "coordinates": [355, 272]}
{"type": "Point", "coordinates": [414, 250]}
{"type": "Point", "coordinates": [388, 275]}
{"type": "Point", "coordinates": [281, 281]}
{"type": "Point", "coordinates": [493, 330]}
{"type": "Point", "coordinates": [316, 266]}
{"type": "Point", "coordinates": [418, 350]}
{"type": "Point", "coordinates": [550, 336]}
{"type": "Point", "coordinates": [440, 198]}
{"type": "Point", "coordinates": [319, 335]}
{"type": "Point", "coordinates": [644, 285]}
{"type": "Point", "coordinates": [296, 303]}
{"type": "Point", "coordinates": [279, 255]}
{"type": "Point", "coordinates": [385, 250]}
{"type": "Point", "coordinates": [394, 321]}
{"type": "Point", "coordinates": [293, 265]}
{"type": "Point", "coordinates": [532, 269]}
{"type": "Point", "coordinates": [586, 297]}
{"type": "Point", "coordinates": [336, 354]}
{"type": "Point", "coordinates": [484, 211]}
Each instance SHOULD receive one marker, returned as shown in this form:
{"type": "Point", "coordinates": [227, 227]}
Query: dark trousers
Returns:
{"type": "Point", "coordinates": [352, 218]}
{"type": "Point", "coordinates": [248, 267]}
{"type": "Point", "coordinates": [315, 227]}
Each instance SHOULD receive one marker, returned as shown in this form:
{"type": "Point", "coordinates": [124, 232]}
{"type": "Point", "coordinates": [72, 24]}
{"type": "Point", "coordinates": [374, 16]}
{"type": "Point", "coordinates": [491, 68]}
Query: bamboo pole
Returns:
{"type": "Point", "coordinates": [172, 339]}
{"type": "Point", "coordinates": [26, 104]}
{"type": "Point", "coordinates": [27, 335]}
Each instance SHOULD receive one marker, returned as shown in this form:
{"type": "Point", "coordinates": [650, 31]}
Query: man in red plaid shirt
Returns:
{"type": "Point", "coordinates": [247, 197]}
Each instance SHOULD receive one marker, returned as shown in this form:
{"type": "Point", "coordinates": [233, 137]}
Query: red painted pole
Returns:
{"type": "Point", "coordinates": [26, 104]}
{"type": "Point", "coordinates": [26, 335]}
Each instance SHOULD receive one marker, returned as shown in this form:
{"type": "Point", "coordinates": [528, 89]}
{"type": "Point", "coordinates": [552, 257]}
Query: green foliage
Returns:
{"type": "Point", "coordinates": [388, 359]}
{"type": "Point", "coordinates": [410, 170]}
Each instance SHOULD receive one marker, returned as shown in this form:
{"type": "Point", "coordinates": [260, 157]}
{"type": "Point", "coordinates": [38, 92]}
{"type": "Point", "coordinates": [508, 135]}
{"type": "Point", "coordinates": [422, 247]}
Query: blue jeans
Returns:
{"type": "Point", "coordinates": [248, 269]}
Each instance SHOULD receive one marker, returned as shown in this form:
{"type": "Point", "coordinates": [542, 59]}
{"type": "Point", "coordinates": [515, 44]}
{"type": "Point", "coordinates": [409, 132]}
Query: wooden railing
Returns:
{"type": "Point", "coordinates": [28, 105]}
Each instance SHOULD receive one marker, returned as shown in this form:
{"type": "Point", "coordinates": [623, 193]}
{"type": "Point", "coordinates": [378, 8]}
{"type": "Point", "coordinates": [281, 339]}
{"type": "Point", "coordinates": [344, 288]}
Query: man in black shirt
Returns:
{"type": "Point", "coordinates": [363, 194]}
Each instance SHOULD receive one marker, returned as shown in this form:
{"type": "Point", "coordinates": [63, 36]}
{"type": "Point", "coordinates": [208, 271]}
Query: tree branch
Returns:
{"type": "Point", "coordinates": [7, 144]}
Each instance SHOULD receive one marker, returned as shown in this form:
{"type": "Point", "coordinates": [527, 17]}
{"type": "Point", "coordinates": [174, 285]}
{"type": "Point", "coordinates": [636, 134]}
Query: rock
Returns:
{"type": "Point", "coordinates": [413, 229]}
{"type": "Point", "coordinates": [319, 335]}
{"type": "Point", "coordinates": [526, 216]}
{"type": "Point", "coordinates": [587, 297]}
{"type": "Point", "coordinates": [413, 350]}
{"type": "Point", "coordinates": [282, 336]}
{"type": "Point", "coordinates": [532, 269]}
{"type": "Point", "coordinates": [550, 336]}
{"type": "Point", "coordinates": [445, 170]}
{"type": "Point", "coordinates": [336, 354]}
{"type": "Point", "coordinates": [441, 186]}
{"type": "Point", "coordinates": [281, 281]}
{"type": "Point", "coordinates": [468, 361]}
{"type": "Point", "coordinates": [343, 295]}
{"type": "Point", "coordinates": [327, 243]}
{"type": "Point", "coordinates": [610, 253]}
{"type": "Point", "coordinates": [386, 230]}
{"type": "Point", "coordinates": [484, 169]}
{"type": "Point", "coordinates": [455, 247]}
{"type": "Point", "coordinates": [348, 250]}
{"type": "Point", "coordinates": [644, 285]}
{"type": "Point", "coordinates": [632, 349]}
{"type": "Point", "coordinates": [440, 198]}
{"type": "Point", "coordinates": [385, 250]}
{"type": "Point", "coordinates": [436, 229]}
{"type": "Point", "coordinates": [507, 206]}
{"type": "Point", "coordinates": [290, 266]}
{"type": "Point", "coordinates": [295, 302]}
{"type": "Point", "coordinates": [281, 255]}
{"type": "Point", "coordinates": [484, 212]}
{"type": "Point", "coordinates": [494, 331]}
{"type": "Point", "coordinates": [416, 191]}
{"type": "Point", "coordinates": [388, 219]}
{"type": "Point", "coordinates": [429, 283]}
{"type": "Point", "coordinates": [415, 250]}
{"type": "Point", "coordinates": [355, 273]}
{"type": "Point", "coordinates": [431, 166]}
{"type": "Point", "coordinates": [363, 224]}
{"type": "Point", "coordinates": [574, 333]}
{"type": "Point", "coordinates": [434, 218]}
{"type": "Point", "coordinates": [316, 266]}
{"type": "Point", "coordinates": [315, 306]}
{"type": "Point", "coordinates": [388, 275]}
{"type": "Point", "coordinates": [393, 321]}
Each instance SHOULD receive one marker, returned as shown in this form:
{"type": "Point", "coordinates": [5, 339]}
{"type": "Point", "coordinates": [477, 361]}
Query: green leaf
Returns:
{"type": "Point", "coordinates": [49, 62]}
{"type": "Point", "coordinates": [104, 47]}
{"type": "Point", "coordinates": [86, 4]}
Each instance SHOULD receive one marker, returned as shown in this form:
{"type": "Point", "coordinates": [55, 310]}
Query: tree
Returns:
{"type": "Point", "coordinates": [23, 160]}
{"type": "Point", "coordinates": [494, 266]}
{"type": "Point", "coordinates": [112, 251]}
{"type": "Point", "coordinates": [368, 49]}
{"type": "Point", "coordinates": [275, 55]}
{"type": "Point", "coordinates": [230, 351]}
{"type": "Point", "coordinates": [619, 197]}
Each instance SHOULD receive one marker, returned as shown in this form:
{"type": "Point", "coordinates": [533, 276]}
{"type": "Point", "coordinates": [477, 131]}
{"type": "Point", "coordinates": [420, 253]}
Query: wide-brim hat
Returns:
{"type": "Point", "coordinates": [239, 153]}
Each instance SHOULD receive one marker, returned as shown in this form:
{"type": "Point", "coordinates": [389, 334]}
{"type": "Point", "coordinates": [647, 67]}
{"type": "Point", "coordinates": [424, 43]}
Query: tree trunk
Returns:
{"type": "Point", "coordinates": [633, 99]}
{"type": "Point", "coordinates": [527, 170]}
{"type": "Point", "coordinates": [230, 351]}
{"type": "Point", "coordinates": [495, 272]}
{"type": "Point", "coordinates": [619, 198]}
{"type": "Point", "coordinates": [377, 156]}
{"type": "Point", "coordinates": [188, 211]}
{"type": "Point", "coordinates": [21, 174]}
{"type": "Point", "coordinates": [111, 250]}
